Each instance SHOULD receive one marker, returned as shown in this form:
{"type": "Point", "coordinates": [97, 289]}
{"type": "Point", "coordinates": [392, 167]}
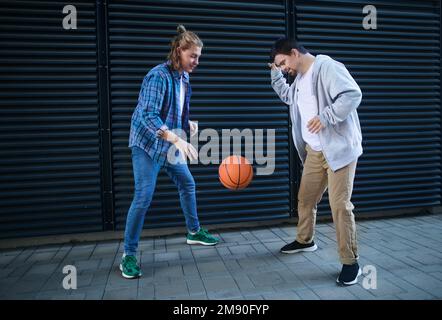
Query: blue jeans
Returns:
{"type": "Point", "coordinates": [145, 175]}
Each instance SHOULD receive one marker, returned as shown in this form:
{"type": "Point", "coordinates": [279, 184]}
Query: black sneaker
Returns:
{"type": "Point", "coordinates": [349, 274]}
{"type": "Point", "coordinates": [295, 246]}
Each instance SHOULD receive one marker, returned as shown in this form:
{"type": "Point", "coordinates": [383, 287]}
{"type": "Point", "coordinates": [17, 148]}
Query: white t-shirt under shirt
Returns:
{"type": "Point", "coordinates": [308, 108]}
{"type": "Point", "coordinates": [182, 96]}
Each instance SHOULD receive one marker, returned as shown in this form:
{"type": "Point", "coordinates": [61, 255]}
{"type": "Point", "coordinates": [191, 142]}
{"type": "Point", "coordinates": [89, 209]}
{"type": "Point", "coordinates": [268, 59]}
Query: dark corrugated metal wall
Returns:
{"type": "Point", "coordinates": [230, 90]}
{"type": "Point", "coordinates": [50, 169]}
{"type": "Point", "coordinates": [67, 97]}
{"type": "Point", "coordinates": [398, 69]}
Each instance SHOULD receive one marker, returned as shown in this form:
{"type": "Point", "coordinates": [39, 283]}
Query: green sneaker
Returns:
{"type": "Point", "coordinates": [202, 237]}
{"type": "Point", "coordinates": [129, 267]}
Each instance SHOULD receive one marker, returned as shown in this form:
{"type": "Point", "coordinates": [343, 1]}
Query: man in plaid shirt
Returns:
{"type": "Point", "coordinates": [158, 110]}
{"type": "Point", "coordinates": [163, 107]}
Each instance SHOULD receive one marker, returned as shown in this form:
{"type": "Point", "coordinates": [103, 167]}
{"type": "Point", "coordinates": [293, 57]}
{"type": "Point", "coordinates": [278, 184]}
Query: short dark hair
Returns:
{"type": "Point", "coordinates": [285, 46]}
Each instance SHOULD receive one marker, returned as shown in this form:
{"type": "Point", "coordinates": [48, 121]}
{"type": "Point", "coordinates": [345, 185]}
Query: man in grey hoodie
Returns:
{"type": "Point", "coordinates": [327, 135]}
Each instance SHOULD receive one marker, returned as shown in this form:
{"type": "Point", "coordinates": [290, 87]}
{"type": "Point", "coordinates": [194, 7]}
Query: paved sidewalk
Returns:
{"type": "Point", "coordinates": [406, 252]}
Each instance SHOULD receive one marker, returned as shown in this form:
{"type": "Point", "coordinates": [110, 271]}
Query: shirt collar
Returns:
{"type": "Point", "coordinates": [177, 75]}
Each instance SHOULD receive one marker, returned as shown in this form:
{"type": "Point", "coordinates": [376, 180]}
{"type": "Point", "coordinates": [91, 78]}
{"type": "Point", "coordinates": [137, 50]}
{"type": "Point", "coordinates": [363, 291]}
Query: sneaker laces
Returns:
{"type": "Point", "coordinates": [206, 234]}
{"type": "Point", "coordinates": [130, 262]}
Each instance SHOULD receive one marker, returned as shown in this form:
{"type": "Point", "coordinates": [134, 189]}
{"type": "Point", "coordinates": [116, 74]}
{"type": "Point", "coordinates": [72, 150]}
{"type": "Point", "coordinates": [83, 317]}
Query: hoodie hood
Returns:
{"type": "Point", "coordinates": [320, 59]}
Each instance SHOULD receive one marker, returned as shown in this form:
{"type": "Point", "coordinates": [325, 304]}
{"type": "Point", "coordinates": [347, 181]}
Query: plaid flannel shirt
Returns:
{"type": "Point", "coordinates": [158, 109]}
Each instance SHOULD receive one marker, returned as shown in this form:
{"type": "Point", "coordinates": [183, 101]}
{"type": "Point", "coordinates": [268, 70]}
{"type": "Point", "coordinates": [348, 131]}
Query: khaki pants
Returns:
{"type": "Point", "coordinates": [316, 177]}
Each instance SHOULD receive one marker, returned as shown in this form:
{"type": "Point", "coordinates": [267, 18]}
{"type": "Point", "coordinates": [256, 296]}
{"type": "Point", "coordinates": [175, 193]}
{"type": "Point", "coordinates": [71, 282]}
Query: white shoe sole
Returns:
{"type": "Point", "coordinates": [351, 282]}
{"type": "Point", "coordinates": [126, 276]}
{"type": "Point", "coordinates": [200, 242]}
{"type": "Point", "coordinates": [309, 249]}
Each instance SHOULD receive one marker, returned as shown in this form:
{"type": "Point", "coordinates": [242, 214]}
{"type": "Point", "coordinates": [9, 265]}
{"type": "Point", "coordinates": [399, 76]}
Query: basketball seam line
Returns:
{"type": "Point", "coordinates": [239, 172]}
{"type": "Point", "coordinates": [227, 171]}
{"type": "Point", "coordinates": [251, 172]}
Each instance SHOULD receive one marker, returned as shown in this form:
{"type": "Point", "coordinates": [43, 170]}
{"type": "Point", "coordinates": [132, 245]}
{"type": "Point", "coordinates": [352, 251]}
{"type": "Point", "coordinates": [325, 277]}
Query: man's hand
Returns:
{"type": "Point", "coordinates": [274, 70]}
{"type": "Point", "coordinates": [273, 66]}
{"type": "Point", "coordinates": [185, 148]}
{"type": "Point", "coordinates": [193, 128]}
{"type": "Point", "coordinates": [314, 125]}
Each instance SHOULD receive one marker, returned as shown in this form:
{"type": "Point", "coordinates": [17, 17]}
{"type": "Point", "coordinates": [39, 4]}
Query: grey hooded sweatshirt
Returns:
{"type": "Point", "coordinates": [338, 96]}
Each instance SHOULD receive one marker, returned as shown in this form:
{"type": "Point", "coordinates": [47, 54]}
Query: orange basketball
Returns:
{"type": "Point", "coordinates": [235, 172]}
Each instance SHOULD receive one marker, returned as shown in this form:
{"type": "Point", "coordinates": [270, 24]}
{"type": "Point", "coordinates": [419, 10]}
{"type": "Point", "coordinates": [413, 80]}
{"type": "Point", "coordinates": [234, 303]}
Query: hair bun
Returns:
{"type": "Point", "coordinates": [181, 29]}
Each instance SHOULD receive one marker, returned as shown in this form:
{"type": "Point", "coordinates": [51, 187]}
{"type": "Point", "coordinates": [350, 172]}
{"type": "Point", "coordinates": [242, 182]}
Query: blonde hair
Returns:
{"type": "Point", "coordinates": [185, 40]}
